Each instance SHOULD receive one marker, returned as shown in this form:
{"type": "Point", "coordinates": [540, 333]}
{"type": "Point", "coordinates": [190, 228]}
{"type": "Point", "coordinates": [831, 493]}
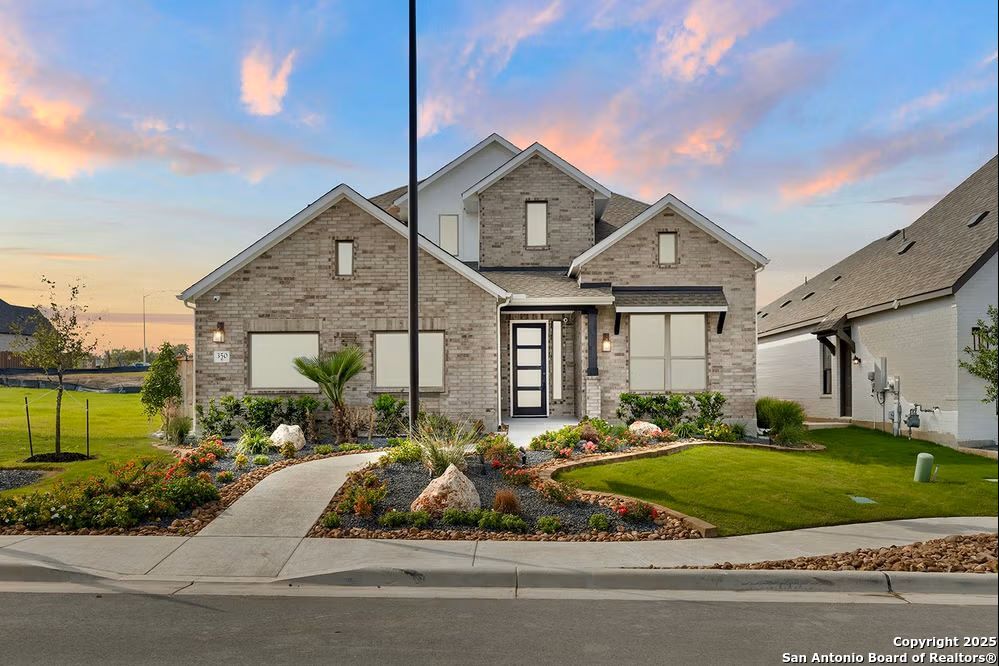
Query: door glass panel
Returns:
{"type": "Point", "coordinates": [529, 398]}
{"type": "Point", "coordinates": [529, 336]}
{"type": "Point", "coordinates": [528, 378]}
{"type": "Point", "coordinates": [687, 374]}
{"type": "Point", "coordinates": [648, 374]}
{"type": "Point", "coordinates": [528, 357]}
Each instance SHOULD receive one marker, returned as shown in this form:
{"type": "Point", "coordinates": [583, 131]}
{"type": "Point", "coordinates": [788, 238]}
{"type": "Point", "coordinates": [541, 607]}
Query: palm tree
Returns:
{"type": "Point", "coordinates": [332, 372]}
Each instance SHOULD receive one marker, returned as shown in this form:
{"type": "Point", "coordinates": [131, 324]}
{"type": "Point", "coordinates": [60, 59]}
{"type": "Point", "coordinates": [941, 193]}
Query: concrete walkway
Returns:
{"type": "Point", "coordinates": [266, 558]}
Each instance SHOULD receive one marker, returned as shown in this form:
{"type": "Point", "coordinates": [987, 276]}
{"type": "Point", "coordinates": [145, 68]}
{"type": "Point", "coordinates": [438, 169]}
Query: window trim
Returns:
{"type": "Point", "coordinates": [337, 269]}
{"type": "Point", "coordinates": [676, 247]}
{"type": "Point", "coordinates": [825, 373]}
{"type": "Point", "coordinates": [375, 387]}
{"type": "Point", "coordinates": [457, 233]}
{"type": "Point", "coordinates": [277, 389]}
{"type": "Point", "coordinates": [527, 235]}
{"type": "Point", "coordinates": [667, 356]}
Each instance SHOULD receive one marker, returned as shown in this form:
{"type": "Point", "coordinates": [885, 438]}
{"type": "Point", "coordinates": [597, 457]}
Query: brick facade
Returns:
{"type": "Point", "coordinates": [701, 261]}
{"type": "Point", "coordinates": [503, 217]}
{"type": "Point", "coordinates": [292, 287]}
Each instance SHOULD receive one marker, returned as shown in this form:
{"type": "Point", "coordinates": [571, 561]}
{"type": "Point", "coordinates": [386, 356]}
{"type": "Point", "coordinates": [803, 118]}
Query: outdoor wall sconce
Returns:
{"type": "Point", "coordinates": [218, 335]}
{"type": "Point", "coordinates": [856, 360]}
{"type": "Point", "coordinates": [605, 344]}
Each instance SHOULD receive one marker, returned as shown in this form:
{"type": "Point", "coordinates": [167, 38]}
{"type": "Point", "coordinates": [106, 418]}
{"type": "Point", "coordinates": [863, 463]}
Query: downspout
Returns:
{"type": "Point", "coordinates": [194, 370]}
{"type": "Point", "coordinates": [499, 362]}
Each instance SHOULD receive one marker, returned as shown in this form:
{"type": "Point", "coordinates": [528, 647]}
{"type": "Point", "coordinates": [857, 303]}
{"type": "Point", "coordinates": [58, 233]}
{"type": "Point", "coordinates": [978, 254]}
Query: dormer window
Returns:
{"type": "Point", "coordinates": [448, 233]}
{"type": "Point", "coordinates": [667, 248]}
{"type": "Point", "coordinates": [537, 223]}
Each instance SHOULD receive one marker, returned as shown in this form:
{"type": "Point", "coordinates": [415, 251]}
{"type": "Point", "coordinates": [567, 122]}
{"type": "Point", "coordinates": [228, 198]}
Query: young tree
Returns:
{"type": "Point", "coordinates": [162, 383]}
{"type": "Point", "coordinates": [983, 359]}
{"type": "Point", "coordinates": [331, 373]}
{"type": "Point", "coordinates": [59, 342]}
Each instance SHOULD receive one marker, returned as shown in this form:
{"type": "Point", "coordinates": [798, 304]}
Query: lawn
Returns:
{"type": "Point", "coordinates": [118, 431]}
{"type": "Point", "coordinates": [744, 491]}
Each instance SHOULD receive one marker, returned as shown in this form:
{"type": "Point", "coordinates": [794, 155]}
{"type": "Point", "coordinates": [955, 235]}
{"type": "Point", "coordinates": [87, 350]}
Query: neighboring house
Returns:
{"type": "Point", "coordinates": [913, 298]}
{"type": "Point", "coordinates": [17, 324]}
{"type": "Point", "coordinates": [542, 293]}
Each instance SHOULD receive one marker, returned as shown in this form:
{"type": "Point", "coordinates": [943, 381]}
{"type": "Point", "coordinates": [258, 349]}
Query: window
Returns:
{"type": "Point", "coordinates": [667, 247]}
{"type": "Point", "coordinates": [448, 233]}
{"type": "Point", "coordinates": [668, 352]}
{"type": "Point", "coordinates": [556, 360]}
{"type": "Point", "coordinates": [344, 258]}
{"type": "Point", "coordinates": [272, 357]}
{"type": "Point", "coordinates": [826, 377]}
{"type": "Point", "coordinates": [537, 223]}
{"type": "Point", "coordinates": [392, 360]}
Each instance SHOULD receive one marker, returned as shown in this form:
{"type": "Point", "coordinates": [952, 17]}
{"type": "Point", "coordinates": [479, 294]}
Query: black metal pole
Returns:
{"type": "Point", "coordinates": [27, 415]}
{"type": "Point", "coordinates": [414, 235]}
{"type": "Point", "coordinates": [88, 426]}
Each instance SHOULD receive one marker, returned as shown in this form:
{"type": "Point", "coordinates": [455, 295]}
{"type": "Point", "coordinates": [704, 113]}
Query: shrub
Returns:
{"type": "Point", "coordinates": [709, 407]}
{"type": "Point", "coordinates": [323, 450]}
{"type": "Point", "coordinates": [443, 442]}
{"type": "Point", "coordinates": [362, 493]}
{"type": "Point", "coordinates": [518, 476]}
{"type": "Point", "coordinates": [775, 414]}
{"type": "Point", "coordinates": [739, 429]}
{"type": "Point", "coordinates": [406, 452]}
{"type": "Point", "coordinates": [390, 414]}
{"type": "Point", "coordinates": [261, 460]}
{"type": "Point", "coordinates": [214, 446]}
{"type": "Point", "coordinates": [599, 521]}
{"type": "Point", "coordinates": [331, 520]}
{"type": "Point", "coordinates": [191, 462]}
{"type": "Point", "coordinates": [636, 512]}
{"type": "Point", "coordinates": [494, 520]}
{"type": "Point", "coordinates": [548, 524]}
{"type": "Point", "coordinates": [288, 451]}
{"type": "Point", "coordinates": [395, 441]}
{"type": "Point", "coordinates": [663, 409]}
{"type": "Point", "coordinates": [241, 461]}
{"type": "Point", "coordinates": [221, 418]}
{"type": "Point", "coordinates": [455, 517]}
{"type": "Point", "coordinates": [498, 451]}
{"type": "Point", "coordinates": [254, 441]}
{"type": "Point", "coordinates": [344, 448]}
{"type": "Point", "coordinates": [790, 435]}
{"type": "Point", "coordinates": [565, 453]}
{"type": "Point", "coordinates": [564, 437]}
{"type": "Point", "coordinates": [178, 428]}
{"type": "Point", "coordinates": [588, 432]}
{"type": "Point", "coordinates": [392, 518]}
{"type": "Point", "coordinates": [686, 430]}
{"type": "Point", "coordinates": [719, 432]}
{"type": "Point", "coordinates": [263, 413]}
{"type": "Point", "coordinates": [505, 501]}
{"type": "Point", "coordinates": [559, 492]}
{"type": "Point", "coordinates": [225, 476]}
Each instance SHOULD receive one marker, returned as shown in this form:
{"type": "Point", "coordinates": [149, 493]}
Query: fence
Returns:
{"type": "Point", "coordinates": [9, 359]}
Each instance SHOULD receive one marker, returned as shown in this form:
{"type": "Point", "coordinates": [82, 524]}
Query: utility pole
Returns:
{"type": "Point", "coordinates": [414, 235]}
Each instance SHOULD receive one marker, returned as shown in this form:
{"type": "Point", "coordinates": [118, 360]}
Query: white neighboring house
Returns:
{"type": "Point", "coordinates": [912, 298]}
{"type": "Point", "coordinates": [17, 323]}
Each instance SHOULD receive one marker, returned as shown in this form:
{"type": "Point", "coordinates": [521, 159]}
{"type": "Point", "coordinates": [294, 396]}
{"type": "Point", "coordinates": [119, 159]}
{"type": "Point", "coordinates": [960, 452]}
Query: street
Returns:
{"type": "Point", "coordinates": [120, 628]}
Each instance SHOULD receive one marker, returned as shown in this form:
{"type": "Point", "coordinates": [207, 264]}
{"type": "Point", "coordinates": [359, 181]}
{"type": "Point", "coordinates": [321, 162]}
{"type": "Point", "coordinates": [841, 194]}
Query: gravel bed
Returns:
{"type": "Point", "coordinates": [15, 478]}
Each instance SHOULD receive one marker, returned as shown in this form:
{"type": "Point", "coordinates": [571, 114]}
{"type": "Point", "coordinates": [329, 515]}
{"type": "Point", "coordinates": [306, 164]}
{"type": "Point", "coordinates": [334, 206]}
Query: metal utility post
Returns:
{"type": "Point", "coordinates": [144, 327]}
{"type": "Point", "coordinates": [414, 235]}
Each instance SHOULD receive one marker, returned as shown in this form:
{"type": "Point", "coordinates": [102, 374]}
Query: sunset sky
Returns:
{"type": "Point", "coordinates": [144, 143]}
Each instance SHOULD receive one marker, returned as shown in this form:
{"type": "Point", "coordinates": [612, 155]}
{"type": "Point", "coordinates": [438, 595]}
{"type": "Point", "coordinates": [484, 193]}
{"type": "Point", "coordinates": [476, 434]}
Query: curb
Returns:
{"type": "Point", "coordinates": [914, 582]}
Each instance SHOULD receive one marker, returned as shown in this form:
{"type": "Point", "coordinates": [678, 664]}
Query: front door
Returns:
{"type": "Point", "coordinates": [529, 369]}
{"type": "Point", "coordinates": [845, 379]}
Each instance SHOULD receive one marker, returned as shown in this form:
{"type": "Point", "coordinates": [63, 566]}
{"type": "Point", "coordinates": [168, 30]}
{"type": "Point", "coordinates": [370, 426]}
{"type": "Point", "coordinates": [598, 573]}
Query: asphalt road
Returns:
{"type": "Point", "coordinates": [113, 629]}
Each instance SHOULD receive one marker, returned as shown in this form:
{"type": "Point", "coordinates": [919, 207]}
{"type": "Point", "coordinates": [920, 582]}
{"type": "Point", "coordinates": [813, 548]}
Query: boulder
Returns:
{"type": "Point", "coordinates": [288, 433]}
{"type": "Point", "coordinates": [645, 429]}
{"type": "Point", "coordinates": [450, 490]}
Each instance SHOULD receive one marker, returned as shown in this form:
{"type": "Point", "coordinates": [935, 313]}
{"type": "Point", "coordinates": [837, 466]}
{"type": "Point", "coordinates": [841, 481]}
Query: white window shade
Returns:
{"type": "Point", "coordinates": [686, 335]}
{"type": "Point", "coordinates": [272, 357]}
{"type": "Point", "coordinates": [392, 360]}
{"type": "Point", "coordinates": [667, 352]}
{"type": "Point", "coordinates": [537, 223]}
{"type": "Point", "coordinates": [448, 233]}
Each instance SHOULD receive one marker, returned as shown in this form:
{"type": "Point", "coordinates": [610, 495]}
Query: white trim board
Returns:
{"type": "Point", "coordinates": [689, 214]}
{"type": "Point", "coordinates": [458, 161]}
{"type": "Point", "coordinates": [671, 308]}
{"type": "Point", "coordinates": [312, 211]}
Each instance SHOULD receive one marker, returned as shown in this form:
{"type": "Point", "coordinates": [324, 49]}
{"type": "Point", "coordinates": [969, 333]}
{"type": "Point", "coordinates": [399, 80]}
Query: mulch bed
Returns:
{"type": "Point", "coordinates": [65, 456]}
{"type": "Point", "coordinates": [15, 478]}
{"type": "Point", "coordinates": [975, 553]}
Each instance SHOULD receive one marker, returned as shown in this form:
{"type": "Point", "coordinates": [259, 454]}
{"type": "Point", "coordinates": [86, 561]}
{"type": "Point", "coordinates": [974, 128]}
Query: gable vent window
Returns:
{"type": "Point", "coordinates": [764, 315]}
{"type": "Point", "coordinates": [448, 233]}
{"type": "Point", "coordinates": [973, 222]}
{"type": "Point", "coordinates": [905, 248]}
{"type": "Point", "coordinates": [808, 295]}
{"type": "Point", "coordinates": [893, 234]}
{"type": "Point", "coordinates": [785, 304]}
{"type": "Point", "coordinates": [837, 278]}
{"type": "Point", "coordinates": [537, 223]}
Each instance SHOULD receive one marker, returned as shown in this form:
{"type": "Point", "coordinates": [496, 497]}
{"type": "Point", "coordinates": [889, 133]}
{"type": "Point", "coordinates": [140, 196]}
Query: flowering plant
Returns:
{"type": "Point", "coordinates": [637, 511]}
{"type": "Point", "coordinates": [563, 453]}
{"type": "Point", "coordinates": [590, 447]}
{"type": "Point", "coordinates": [518, 476]}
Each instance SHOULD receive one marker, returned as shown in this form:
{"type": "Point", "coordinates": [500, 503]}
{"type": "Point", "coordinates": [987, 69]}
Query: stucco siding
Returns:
{"type": "Point", "coordinates": [790, 368]}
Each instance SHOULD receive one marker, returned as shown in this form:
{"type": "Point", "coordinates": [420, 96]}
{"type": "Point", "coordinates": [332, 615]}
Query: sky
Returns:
{"type": "Point", "coordinates": [142, 143]}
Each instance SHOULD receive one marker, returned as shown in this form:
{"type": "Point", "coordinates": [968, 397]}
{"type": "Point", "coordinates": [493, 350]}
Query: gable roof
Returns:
{"type": "Point", "coordinates": [548, 156]}
{"type": "Point", "coordinates": [546, 287]}
{"type": "Point", "coordinates": [493, 138]}
{"type": "Point", "coordinates": [312, 211]}
{"type": "Point", "coordinates": [619, 211]}
{"type": "Point", "coordinates": [946, 249]}
{"type": "Point", "coordinates": [22, 318]}
{"type": "Point", "coordinates": [688, 213]}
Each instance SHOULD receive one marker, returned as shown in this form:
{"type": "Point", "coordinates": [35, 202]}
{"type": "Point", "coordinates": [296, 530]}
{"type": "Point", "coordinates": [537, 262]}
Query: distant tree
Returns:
{"type": "Point", "coordinates": [983, 359]}
{"type": "Point", "coordinates": [162, 384]}
{"type": "Point", "coordinates": [59, 342]}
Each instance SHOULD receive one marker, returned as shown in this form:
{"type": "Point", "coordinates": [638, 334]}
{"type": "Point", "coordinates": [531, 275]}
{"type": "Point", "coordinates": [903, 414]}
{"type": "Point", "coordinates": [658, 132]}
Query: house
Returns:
{"type": "Point", "coordinates": [912, 298]}
{"type": "Point", "coordinates": [542, 294]}
{"type": "Point", "coordinates": [17, 324]}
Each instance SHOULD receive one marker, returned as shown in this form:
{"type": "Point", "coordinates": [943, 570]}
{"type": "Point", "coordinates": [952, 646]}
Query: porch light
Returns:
{"type": "Point", "coordinates": [218, 335]}
{"type": "Point", "coordinates": [856, 360]}
{"type": "Point", "coordinates": [605, 344]}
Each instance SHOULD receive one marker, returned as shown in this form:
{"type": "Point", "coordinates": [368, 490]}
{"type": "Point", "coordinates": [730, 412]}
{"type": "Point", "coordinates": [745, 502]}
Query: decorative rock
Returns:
{"type": "Point", "coordinates": [645, 429]}
{"type": "Point", "coordinates": [451, 490]}
{"type": "Point", "coordinates": [288, 433]}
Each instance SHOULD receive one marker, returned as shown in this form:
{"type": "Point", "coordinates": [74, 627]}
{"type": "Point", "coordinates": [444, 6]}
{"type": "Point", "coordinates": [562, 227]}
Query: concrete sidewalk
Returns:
{"type": "Point", "coordinates": [273, 558]}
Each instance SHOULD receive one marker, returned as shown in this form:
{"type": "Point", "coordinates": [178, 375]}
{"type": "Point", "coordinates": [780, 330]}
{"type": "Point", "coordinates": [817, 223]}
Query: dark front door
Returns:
{"type": "Point", "coordinates": [529, 352]}
{"type": "Point", "coordinates": [845, 379]}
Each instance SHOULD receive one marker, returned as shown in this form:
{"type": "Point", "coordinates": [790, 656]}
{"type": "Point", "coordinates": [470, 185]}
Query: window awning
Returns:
{"type": "Point", "coordinates": [833, 326]}
{"type": "Point", "coordinates": [633, 300]}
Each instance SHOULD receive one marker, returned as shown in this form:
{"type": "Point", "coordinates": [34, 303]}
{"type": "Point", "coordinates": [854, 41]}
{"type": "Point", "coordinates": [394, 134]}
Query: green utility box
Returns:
{"type": "Point", "coordinates": [924, 467]}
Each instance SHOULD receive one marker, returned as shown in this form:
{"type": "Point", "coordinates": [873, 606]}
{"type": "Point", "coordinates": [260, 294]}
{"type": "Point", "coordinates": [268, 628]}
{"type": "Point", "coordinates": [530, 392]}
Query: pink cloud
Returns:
{"type": "Point", "coordinates": [265, 84]}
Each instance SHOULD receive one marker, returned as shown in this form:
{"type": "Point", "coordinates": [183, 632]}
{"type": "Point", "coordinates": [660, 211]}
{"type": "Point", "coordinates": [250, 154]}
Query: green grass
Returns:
{"type": "Point", "coordinates": [744, 491]}
{"type": "Point", "coordinates": [118, 431]}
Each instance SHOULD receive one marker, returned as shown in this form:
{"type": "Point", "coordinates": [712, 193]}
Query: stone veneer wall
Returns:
{"type": "Point", "coordinates": [503, 217]}
{"type": "Point", "coordinates": [566, 407]}
{"type": "Point", "coordinates": [292, 287]}
{"type": "Point", "coordinates": [702, 261]}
